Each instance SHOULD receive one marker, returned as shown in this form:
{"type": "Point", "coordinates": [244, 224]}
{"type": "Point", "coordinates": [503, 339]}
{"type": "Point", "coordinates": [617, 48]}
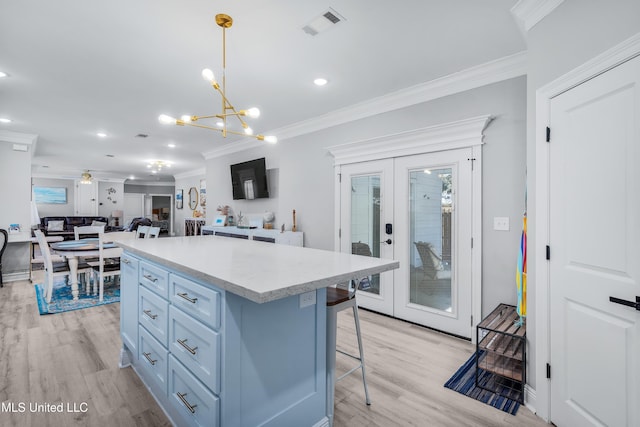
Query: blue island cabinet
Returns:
{"type": "Point", "coordinates": [213, 358]}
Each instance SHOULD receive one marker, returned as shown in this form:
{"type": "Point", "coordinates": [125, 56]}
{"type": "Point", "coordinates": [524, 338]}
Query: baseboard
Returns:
{"type": "Point", "coordinates": [15, 277]}
{"type": "Point", "coordinates": [530, 398]}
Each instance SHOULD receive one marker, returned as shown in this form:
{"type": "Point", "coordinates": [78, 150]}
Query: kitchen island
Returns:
{"type": "Point", "coordinates": [228, 332]}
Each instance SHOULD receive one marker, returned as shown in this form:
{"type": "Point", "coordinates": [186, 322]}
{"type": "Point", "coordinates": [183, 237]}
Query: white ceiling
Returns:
{"type": "Point", "coordinates": [79, 67]}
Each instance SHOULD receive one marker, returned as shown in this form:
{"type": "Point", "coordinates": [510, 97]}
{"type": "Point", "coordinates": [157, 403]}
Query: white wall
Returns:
{"type": "Point", "coordinates": [110, 198]}
{"type": "Point", "coordinates": [306, 177]}
{"type": "Point", "coordinates": [45, 209]}
{"type": "Point", "coordinates": [15, 199]}
{"type": "Point", "coordinates": [575, 32]}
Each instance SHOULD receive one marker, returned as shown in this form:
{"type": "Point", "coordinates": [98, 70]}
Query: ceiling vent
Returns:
{"type": "Point", "coordinates": [142, 135]}
{"type": "Point", "coordinates": [323, 22]}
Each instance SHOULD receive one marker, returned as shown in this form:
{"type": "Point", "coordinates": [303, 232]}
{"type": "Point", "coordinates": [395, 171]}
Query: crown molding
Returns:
{"type": "Point", "coordinates": [190, 174]}
{"type": "Point", "coordinates": [490, 72]}
{"type": "Point", "coordinates": [446, 136]}
{"type": "Point", "coordinates": [529, 12]}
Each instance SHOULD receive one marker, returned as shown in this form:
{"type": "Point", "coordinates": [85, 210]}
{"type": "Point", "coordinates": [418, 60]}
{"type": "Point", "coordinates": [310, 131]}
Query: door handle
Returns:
{"type": "Point", "coordinates": [628, 303]}
{"type": "Point", "coordinates": [388, 241]}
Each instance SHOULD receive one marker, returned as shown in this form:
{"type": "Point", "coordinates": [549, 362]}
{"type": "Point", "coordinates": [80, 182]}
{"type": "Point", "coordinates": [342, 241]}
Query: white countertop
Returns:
{"type": "Point", "coordinates": [258, 271]}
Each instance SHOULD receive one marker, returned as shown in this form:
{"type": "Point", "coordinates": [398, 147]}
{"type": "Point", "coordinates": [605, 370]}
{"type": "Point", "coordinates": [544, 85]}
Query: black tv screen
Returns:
{"type": "Point", "coordinates": [249, 180]}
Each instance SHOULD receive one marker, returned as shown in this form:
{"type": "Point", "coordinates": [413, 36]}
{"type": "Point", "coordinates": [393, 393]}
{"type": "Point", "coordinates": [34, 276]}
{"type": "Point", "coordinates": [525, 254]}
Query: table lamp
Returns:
{"type": "Point", "coordinates": [116, 215]}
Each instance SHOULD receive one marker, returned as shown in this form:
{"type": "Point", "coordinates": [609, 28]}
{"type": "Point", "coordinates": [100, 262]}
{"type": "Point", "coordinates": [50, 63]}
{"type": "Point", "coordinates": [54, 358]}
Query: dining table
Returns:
{"type": "Point", "coordinates": [74, 249]}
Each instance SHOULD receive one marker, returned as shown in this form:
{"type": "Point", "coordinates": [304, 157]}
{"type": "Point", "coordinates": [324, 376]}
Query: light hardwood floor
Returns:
{"type": "Point", "coordinates": [72, 358]}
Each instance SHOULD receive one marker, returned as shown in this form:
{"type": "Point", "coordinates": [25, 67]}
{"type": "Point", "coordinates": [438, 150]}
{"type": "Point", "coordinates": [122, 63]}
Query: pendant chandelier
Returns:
{"type": "Point", "coordinates": [86, 178]}
{"type": "Point", "coordinates": [228, 110]}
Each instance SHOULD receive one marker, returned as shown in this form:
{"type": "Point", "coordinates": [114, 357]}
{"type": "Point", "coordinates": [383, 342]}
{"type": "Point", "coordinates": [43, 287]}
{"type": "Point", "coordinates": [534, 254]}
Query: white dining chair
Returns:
{"type": "Point", "coordinates": [153, 233]}
{"type": "Point", "coordinates": [108, 264]}
{"type": "Point", "coordinates": [84, 263]}
{"type": "Point", "coordinates": [51, 269]}
{"type": "Point", "coordinates": [142, 231]}
{"type": "Point", "coordinates": [92, 230]}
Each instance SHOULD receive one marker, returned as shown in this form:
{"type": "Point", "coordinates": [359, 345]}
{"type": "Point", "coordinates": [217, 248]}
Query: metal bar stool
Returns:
{"type": "Point", "coordinates": [340, 299]}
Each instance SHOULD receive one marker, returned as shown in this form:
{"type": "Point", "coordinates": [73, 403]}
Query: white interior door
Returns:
{"type": "Point", "coordinates": [86, 199]}
{"type": "Point", "coordinates": [595, 251]}
{"type": "Point", "coordinates": [417, 210]}
{"type": "Point", "coordinates": [133, 206]}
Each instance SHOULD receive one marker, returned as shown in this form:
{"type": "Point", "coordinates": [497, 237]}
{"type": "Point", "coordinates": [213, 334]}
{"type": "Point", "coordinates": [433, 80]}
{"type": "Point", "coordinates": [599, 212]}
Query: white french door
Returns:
{"type": "Point", "coordinates": [594, 187]}
{"type": "Point", "coordinates": [433, 240]}
{"type": "Point", "coordinates": [415, 209]}
{"type": "Point", "coordinates": [366, 198]}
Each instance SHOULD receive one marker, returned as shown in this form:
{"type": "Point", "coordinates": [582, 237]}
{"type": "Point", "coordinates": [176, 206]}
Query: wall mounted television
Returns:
{"type": "Point", "coordinates": [249, 180]}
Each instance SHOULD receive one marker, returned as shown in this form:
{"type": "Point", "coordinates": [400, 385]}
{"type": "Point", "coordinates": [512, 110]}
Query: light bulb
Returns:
{"type": "Point", "coordinates": [320, 81]}
{"type": "Point", "coordinates": [271, 139]}
{"type": "Point", "coordinates": [207, 74]}
{"type": "Point", "coordinates": [253, 112]}
{"type": "Point", "coordinates": [167, 120]}
{"type": "Point", "coordinates": [220, 124]}
{"type": "Point", "coordinates": [186, 118]}
{"type": "Point", "coordinates": [248, 130]}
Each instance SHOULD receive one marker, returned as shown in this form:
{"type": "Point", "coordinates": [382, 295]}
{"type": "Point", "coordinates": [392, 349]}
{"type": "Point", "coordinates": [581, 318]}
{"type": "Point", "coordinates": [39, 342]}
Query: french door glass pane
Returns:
{"type": "Point", "coordinates": [365, 222]}
{"type": "Point", "coordinates": [430, 209]}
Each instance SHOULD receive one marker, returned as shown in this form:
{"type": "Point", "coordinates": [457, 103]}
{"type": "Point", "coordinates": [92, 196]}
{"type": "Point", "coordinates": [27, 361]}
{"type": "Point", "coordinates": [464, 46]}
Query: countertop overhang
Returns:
{"type": "Point", "coordinates": [258, 271]}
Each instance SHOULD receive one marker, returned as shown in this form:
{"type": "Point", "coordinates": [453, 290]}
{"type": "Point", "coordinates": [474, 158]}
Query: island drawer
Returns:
{"type": "Point", "coordinates": [153, 314]}
{"type": "Point", "coordinates": [199, 301]}
{"type": "Point", "coordinates": [197, 405]}
{"type": "Point", "coordinates": [155, 278]}
{"type": "Point", "coordinates": [196, 346]}
{"type": "Point", "coordinates": [154, 359]}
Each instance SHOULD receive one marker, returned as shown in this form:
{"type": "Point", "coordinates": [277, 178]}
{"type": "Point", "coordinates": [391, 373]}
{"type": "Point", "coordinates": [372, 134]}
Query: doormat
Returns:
{"type": "Point", "coordinates": [464, 382]}
{"type": "Point", "coordinates": [62, 300]}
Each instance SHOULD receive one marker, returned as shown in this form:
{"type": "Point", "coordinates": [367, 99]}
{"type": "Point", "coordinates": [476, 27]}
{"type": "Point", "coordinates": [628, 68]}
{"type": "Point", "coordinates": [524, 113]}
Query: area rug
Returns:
{"type": "Point", "coordinates": [464, 382]}
{"type": "Point", "coordinates": [62, 300]}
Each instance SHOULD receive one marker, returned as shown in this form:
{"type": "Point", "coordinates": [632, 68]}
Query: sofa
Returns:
{"type": "Point", "coordinates": [63, 225]}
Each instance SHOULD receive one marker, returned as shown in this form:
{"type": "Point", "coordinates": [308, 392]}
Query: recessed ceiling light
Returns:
{"type": "Point", "coordinates": [171, 145]}
{"type": "Point", "coordinates": [101, 134]}
{"type": "Point", "coordinates": [3, 74]}
{"type": "Point", "coordinates": [132, 177]}
{"type": "Point", "coordinates": [4, 120]}
{"type": "Point", "coordinates": [320, 81]}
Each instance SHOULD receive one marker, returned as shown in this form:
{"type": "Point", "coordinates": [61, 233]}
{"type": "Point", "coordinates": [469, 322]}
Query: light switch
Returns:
{"type": "Point", "coordinates": [501, 223]}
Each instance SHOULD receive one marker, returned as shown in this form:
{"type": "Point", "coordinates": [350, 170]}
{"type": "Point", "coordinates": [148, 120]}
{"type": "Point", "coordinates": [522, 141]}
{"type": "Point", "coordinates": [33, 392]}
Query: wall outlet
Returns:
{"type": "Point", "coordinates": [501, 223]}
{"type": "Point", "coordinates": [307, 299]}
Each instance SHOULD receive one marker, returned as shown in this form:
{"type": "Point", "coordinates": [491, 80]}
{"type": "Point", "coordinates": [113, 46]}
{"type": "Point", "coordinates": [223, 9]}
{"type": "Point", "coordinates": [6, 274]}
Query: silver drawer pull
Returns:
{"type": "Point", "coordinates": [186, 296]}
{"type": "Point", "coordinates": [153, 362]}
{"type": "Point", "coordinates": [150, 278]}
{"type": "Point", "coordinates": [189, 406]}
{"type": "Point", "coordinates": [189, 349]}
{"type": "Point", "coordinates": [148, 313]}
{"type": "Point", "coordinates": [126, 261]}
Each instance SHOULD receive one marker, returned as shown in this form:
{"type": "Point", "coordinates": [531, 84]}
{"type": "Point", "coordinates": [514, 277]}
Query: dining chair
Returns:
{"type": "Point", "coordinates": [339, 299]}
{"type": "Point", "coordinates": [153, 233]}
{"type": "Point", "coordinates": [91, 230]}
{"type": "Point", "coordinates": [51, 269]}
{"type": "Point", "coordinates": [108, 264]}
{"type": "Point", "coordinates": [4, 239]}
{"type": "Point", "coordinates": [142, 231]}
{"type": "Point", "coordinates": [84, 265]}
